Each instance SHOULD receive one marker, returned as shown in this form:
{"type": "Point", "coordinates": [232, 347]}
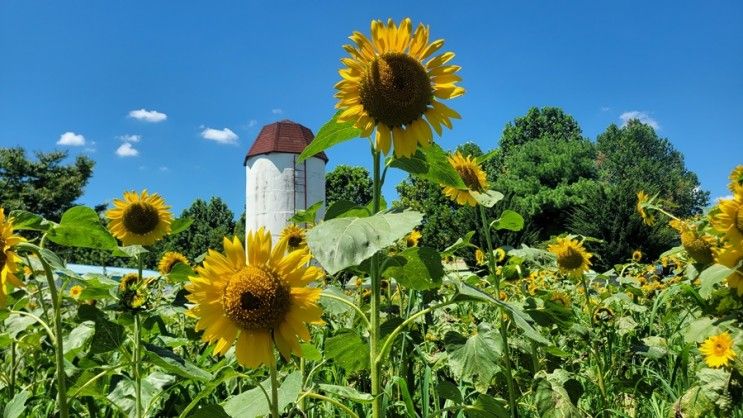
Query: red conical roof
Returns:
{"type": "Point", "coordinates": [283, 136]}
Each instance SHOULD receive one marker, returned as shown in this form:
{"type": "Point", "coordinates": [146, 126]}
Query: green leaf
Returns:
{"type": "Point", "coordinates": [208, 411]}
{"type": "Point", "coordinates": [699, 330]}
{"type": "Point", "coordinates": [551, 397]}
{"type": "Point", "coordinates": [307, 216]}
{"type": "Point", "coordinates": [331, 305]}
{"type": "Point", "coordinates": [29, 221]}
{"type": "Point", "coordinates": [253, 403]}
{"type": "Point", "coordinates": [348, 351]}
{"type": "Point", "coordinates": [332, 133]}
{"type": "Point", "coordinates": [129, 251]}
{"type": "Point", "coordinates": [15, 324]}
{"type": "Point", "coordinates": [180, 273]}
{"type": "Point", "coordinates": [431, 164]}
{"type": "Point", "coordinates": [179, 225]}
{"type": "Point", "coordinates": [487, 407]}
{"type": "Point", "coordinates": [310, 352]}
{"type": "Point", "coordinates": [173, 363]}
{"type": "Point", "coordinates": [345, 242]}
{"type": "Point", "coordinates": [346, 209]}
{"type": "Point", "coordinates": [77, 338]}
{"type": "Point", "coordinates": [474, 359]}
{"type": "Point", "coordinates": [17, 405]}
{"type": "Point", "coordinates": [108, 335]}
{"type": "Point", "coordinates": [417, 268]}
{"type": "Point", "coordinates": [488, 199]}
{"type": "Point", "coordinates": [462, 242]}
{"type": "Point", "coordinates": [449, 390]}
{"type": "Point", "coordinates": [711, 276]}
{"type": "Point", "coordinates": [509, 220]}
{"type": "Point", "coordinates": [97, 287]}
{"type": "Point", "coordinates": [81, 227]}
{"type": "Point", "coordinates": [487, 157]}
{"type": "Point", "coordinates": [346, 392]}
{"type": "Point", "coordinates": [654, 347]}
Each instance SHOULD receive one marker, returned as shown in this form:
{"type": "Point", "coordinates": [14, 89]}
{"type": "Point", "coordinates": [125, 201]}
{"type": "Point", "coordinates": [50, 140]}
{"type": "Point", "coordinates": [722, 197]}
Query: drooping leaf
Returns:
{"type": "Point", "coordinates": [17, 405]}
{"type": "Point", "coordinates": [179, 225]}
{"type": "Point", "coordinates": [417, 268]}
{"type": "Point", "coordinates": [488, 198]}
{"type": "Point", "coordinates": [551, 397]}
{"type": "Point", "coordinates": [345, 242]}
{"type": "Point", "coordinates": [108, 335]}
{"type": "Point", "coordinates": [476, 358]}
{"type": "Point", "coordinates": [431, 164]}
{"type": "Point", "coordinates": [81, 227]}
{"type": "Point", "coordinates": [711, 276]}
{"type": "Point", "coordinates": [253, 403]}
{"type": "Point", "coordinates": [348, 351]}
{"type": "Point", "coordinates": [487, 407]}
{"type": "Point", "coordinates": [332, 133]}
{"type": "Point", "coordinates": [346, 209]}
{"type": "Point", "coordinates": [449, 390]}
{"type": "Point", "coordinates": [346, 392]}
{"type": "Point", "coordinates": [173, 363]}
{"type": "Point", "coordinates": [329, 300]}
{"type": "Point", "coordinates": [462, 242]}
{"type": "Point", "coordinates": [77, 338]}
{"type": "Point", "coordinates": [508, 220]}
{"type": "Point", "coordinates": [307, 216]}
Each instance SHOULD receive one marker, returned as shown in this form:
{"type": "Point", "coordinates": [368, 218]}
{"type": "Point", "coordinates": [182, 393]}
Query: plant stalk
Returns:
{"type": "Point", "coordinates": [137, 360]}
{"type": "Point", "coordinates": [503, 323]}
{"type": "Point", "coordinates": [274, 391]}
{"type": "Point", "coordinates": [376, 386]}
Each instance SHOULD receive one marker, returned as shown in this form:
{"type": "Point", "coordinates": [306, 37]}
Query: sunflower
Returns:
{"type": "Point", "coordinates": [255, 302]}
{"type": "Point", "coordinates": [603, 315]}
{"type": "Point", "coordinates": [637, 256]}
{"type": "Point", "coordinates": [169, 260]}
{"type": "Point", "coordinates": [561, 298]}
{"type": "Point", "coordinates": [572, 257]}
{"type": "Point", "coordinates": [642, 200]}
{"type": "Point", "coordinates": [500, 255]}
{"type": "Point", "coordinates": [391, 82]}
{"type": "Point", "coordinates": [731, 256]}
{"type": "Point", "coordinates": [139, 219]}
{"type": "Point", "coordinates": [294, 236]}
{"type": "Point", "coordinates": [133, 292]}
{"type": "Point", "coordinates": [736, 181]}
{"type": "Point", "coordinates": [729, 219]}
{"type": "Point", "coordinates": [473, 177]}
{"type": "Point", "coordinates": [76, 291]}
{"type": "Point", "coordinates": [698, 246]}
{"type": "Point", "coordinates": [412, 239]}
{"type": "Point", "coordinates": [479, 257]}
{"type": "Point", "coordinates": [718, 350]}
{"type": "Point", "coordinates": [8, 258]}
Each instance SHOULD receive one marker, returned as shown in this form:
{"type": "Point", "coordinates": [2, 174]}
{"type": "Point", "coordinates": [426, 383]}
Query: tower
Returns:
{"type": "Point", "coordinates": [276, 184]}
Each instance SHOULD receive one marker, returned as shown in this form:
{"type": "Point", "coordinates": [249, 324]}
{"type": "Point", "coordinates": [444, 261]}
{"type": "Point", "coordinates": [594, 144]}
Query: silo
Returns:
{"type": "Point", "coordinates": [276, 184]}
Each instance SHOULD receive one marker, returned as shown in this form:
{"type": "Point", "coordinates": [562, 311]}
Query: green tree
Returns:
{"type": "Point", "coordinates": [45, 186]}
{"type": "Point", "coordinates": [212, 221]}
{"type": "Point", "coordinates": [549, 122]}
{"type": "Point", "coordinates": [348, 183]}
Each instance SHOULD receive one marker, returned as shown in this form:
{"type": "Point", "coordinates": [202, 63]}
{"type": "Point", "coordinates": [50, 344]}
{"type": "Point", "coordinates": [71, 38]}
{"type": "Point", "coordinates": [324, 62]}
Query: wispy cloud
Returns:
{"type": "Point", "coordinates": [127, 150]}
{"type": "Point", "coordinates": [224, 136]}
{"type": "Point", "coordinates": [643, 117]}
{"type": "Point", "coordinates": [252, 123]}
{"type": "Point", "coordinates": [605, 108]}
{"type": "Point", "coordinates": [148, 115]}
{"type": "Point", "coordinates": [277, 111]}
{"type": "Point", "coordinates": [164, 168]}
{"type": "Point", "coordinates": [71, 139]}
{"type": "Point", "coordinates": [130, 138]}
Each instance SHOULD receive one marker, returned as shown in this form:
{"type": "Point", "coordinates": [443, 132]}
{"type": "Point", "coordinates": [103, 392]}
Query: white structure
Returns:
{"type": "Point", "coordinates": [276, 185]}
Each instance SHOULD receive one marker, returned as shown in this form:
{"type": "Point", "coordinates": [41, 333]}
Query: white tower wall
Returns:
{"type": "Point", "coordinates": [277, 187]}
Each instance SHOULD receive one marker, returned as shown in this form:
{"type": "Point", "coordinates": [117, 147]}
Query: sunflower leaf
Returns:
{"type": "Point", "coordinates": [417, 268]}
{"type": "Point", "coordinates": [27, 220]}
{"type": "Point", "coordinates": [431, 164]}
{"type": "Point", "coordinates": [307, 216]}
{"type": "Point", "coordinates": [488, 198]}
{"type": "Point", "coordinates": [81, 227]}
{"type": "Point", "coordinates": [179, 225]}
{"type": "Point", "coordinates": [509, 220]}
{"type": "Point", "coordinates": [171, 362]}
{"type": "Point", "coordinates": [345, 242]}
{"type": "Point", "coordinates": [711, 276]}
{"type": "Point", "coordinates": [348, 350]}
{"type": "Point", "coordinates": [332, 133]}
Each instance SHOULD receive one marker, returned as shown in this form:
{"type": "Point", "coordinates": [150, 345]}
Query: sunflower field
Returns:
{"type": "Point", "coordinates": [348, 315]}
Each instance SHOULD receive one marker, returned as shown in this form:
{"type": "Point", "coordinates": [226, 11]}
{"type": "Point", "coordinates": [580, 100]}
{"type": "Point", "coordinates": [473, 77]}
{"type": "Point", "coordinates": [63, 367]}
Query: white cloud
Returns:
{"type": "Point", "coordinates": [126, 150]}
{"type": "Point", "coordinates": [277, 111]}
{"type": "Point", "coordinates": [605, 108]}
{"type": "Point", "coordinates": [252, 123]}
{"type": "Point", "coordinates": [72, 139]}
{"type": "Point", "coordinates": [224, 136]}
{"type": "Point", "coordinates": [641, 116]}
{"type": "Point", "coordinates": [148, 115]}
{"type": "Point", "coordinates": [164, 168]}
{"type": "Point", "coordinates": [718, 199]}
{"type": "Point", "coordinates": [130, 138]}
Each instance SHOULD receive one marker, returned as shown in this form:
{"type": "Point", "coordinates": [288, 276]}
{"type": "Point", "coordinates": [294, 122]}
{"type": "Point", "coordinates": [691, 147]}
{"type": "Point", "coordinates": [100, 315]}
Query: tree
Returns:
{"type": "Point", "coordinates": [45, 186]}
{"type": "Point", "coordinates": [550, 122]}
{"type": "Point", "coordinates": [348, 183]}
{"type": "Point", "coordinates": [630, 159]}
{"type": "Point", "coordinates": [212, 222]}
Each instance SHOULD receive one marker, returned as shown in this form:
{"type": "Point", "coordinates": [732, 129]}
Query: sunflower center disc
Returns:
{"type": "Point", "coordinates": [469, 177]}
{"type": "Point", "coordinates": [295, 241]}
{"type": "Point", "coordinates": [570, 259]}
{"type": "Point", "coordinates": [396, 89]}
{"type": "Point", "coordinates": [141, 218]}
{"type": "Point", "coordinates": [256, 299]}
{"type": "Point", "coordinates": [3, 257]}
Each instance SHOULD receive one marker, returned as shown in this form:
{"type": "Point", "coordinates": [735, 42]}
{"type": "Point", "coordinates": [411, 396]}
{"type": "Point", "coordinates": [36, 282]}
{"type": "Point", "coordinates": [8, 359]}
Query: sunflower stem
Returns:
{"type": "Point", "coordinates": [58, 343]}
{"type": "Point", "coordinates": [137, 352]}
{"type": "Point", "coordinates": [376, 386]}
{"type": "Point", "coordinates": [274, 391]}
{"type": "Point", "coordinates": [504, 324]}
{"type": "Point", "coordinates": [594, 350]}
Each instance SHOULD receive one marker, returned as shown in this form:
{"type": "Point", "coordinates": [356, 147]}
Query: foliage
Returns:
{"type": "Point", "coordinates": [348, 183]}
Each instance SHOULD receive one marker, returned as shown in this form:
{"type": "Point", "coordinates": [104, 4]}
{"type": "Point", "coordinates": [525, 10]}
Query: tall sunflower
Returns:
{"type": "Point", "coordinates": [473, 177]}
{"type": "Point", "coordinates": [412, 239]}
{"type": "Point", "coordinates": [729, 219]}
{"type": "Point", "coordinates": [480, 257]}
{"type": "Point", "coordinates": [169, 260]}
{"type": "Point", "coordinates": [392, 81]}
{"type": "Point", "coordinates": [572, 257]}
{"type": "Point", "coordinates": [697, 245]}
{"type": "Point", "coordinates": [255, 302]}
{"type": "Point", "coordinates": [736, 181]}
{"type": "Point", "coordinates": [139, 219]}
{"type": "Point", "coordinates": [637, 256]}
{"type": "Point", "coordinates": [718, 350]}
{"type": "Point", "coordinates": [294, 236]}
{"type": "Point", "coordinates": [730, 256]}
{"type": "Point", "coordinates": [642, 201]}
{"type": "Point", "coordinates": [8, 258]}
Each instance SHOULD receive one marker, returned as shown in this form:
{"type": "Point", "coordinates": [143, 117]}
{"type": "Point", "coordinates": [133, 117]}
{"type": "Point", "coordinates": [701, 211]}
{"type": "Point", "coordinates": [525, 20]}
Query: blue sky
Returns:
{"type": "Point", "coordinates": [82, 67]}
